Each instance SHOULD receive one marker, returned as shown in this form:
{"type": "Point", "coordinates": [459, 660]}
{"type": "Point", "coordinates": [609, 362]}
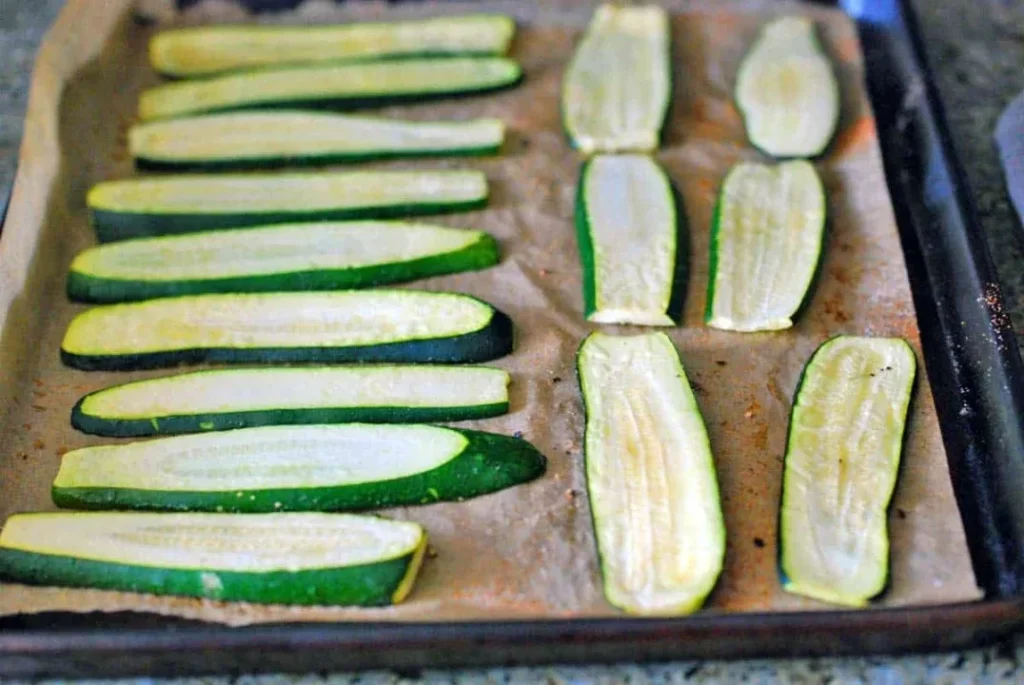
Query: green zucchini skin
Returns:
{"type": "Point", "coordinates": [489, 463]}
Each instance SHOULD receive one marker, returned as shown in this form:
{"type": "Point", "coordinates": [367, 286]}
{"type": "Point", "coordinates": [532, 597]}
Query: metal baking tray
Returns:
{"type": "Point", "coordinates": [974, 368]}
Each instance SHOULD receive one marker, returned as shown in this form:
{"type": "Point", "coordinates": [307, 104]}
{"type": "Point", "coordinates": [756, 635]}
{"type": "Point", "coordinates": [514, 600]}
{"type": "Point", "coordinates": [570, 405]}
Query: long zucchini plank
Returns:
{"type": "Point", "coordinates": [787, 92]}
{"type": "Point", "coordinates": [136, 208]}
{"type": "Point", "coordinates": [766, 242]}
{"type": "Point", "coordinates": [842, 459]}
{"type": "Point", "coordinates": [207, 50]}
{"type": "Point", "coordinates": [651, 476]}
{"type": "Point", "coordinates": [618, 86]}
{"type": "Point", "coordinates": [237, 398]}
{"type": "Point", "coordinates": [285, 468]}
{"type": "Point", "coordinates": [314, 256]}
{"type": "Point", "coordinates": [268, 139]}
{"type": "Point", "coordinates": [344, 86]}
{"type": "Point", "coordinates": [347, 326]}
{"type": "Point", "coordinates": [628, 229]}
{"type": "Point", "coordinates": [309, 559]}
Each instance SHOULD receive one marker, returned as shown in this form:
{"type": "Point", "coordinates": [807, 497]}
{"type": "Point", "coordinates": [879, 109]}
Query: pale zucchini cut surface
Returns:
{"type": "Point", "coordinates": [313, 256]}
{"type": "Point", "coordinates": [288, 468]}
{"type": "Point", "coordinates": [135, 208]}
{"type": "Point", "coordinates": [237, 398]}
{"type": "Point", "coordinates": [257, 139]}
{"type": "Point", "coordinates": [628, 232]}
{"type": "Point", "coordinates": [341, 86]}
{"type": "Point", "coordinates": [766, 243]}
{"type": "Point", "coordinates": [842, 459]}
{"type": "Point", "coordinates": [618, 85]}
{"type": "Point", "coordinates": [207, 50]}
{"type": "Point", "coordinates": [328, 559]}
{"type": "Point", "coordinates": [787, 91]}
{"type": "Point", "coordinates": [650, 475]}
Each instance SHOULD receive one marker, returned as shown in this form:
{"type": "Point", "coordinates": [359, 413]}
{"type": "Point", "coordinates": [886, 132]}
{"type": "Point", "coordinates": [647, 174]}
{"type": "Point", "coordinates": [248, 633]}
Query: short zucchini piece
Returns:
{"type": "Point", "coordinates": [618, 86]}
{"type": "Point", "coordinates": [286, 468]}
{"type": "Point", "coordinates": [787, 92]}
{"type": "Point", "coordinates": [315, 256]}
{"type": "Point", "coordinates": [651, 476]}
{"type": "Point", "coordinates": [336, 86]}
{"type": "Point", "coordinates": [269, 139]}
{"type": "Point", "coordinates": [223, 399]}
{"type": "Point", "coordinates": [628, 229]}
{"type": "Point", "coordinates": [766, 243]}
{"type": "Point", "coordinates": [208, 50]}
{"type": "Point", "coordinates": [347, 326]}
{"type": "Point", "coordinates": [842, 459]}
{"type": "Point", "coordinates": [136, 208]}
{"type": "Point", "coordinates": [305, 559]}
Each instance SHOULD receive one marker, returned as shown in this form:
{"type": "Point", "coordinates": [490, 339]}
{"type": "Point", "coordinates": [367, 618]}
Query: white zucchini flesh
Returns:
{"type": "Point", "coordinates": [617, 88]}
{"type": "Point", "coordinates": [651, 476]}
{"type": "Point", "coordinates": [787, 91]}
{"type": "Point", "coordinates": [766, 244]}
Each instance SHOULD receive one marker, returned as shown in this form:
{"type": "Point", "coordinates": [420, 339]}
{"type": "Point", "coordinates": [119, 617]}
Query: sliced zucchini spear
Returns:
{"type": "Point", "coordinates": [787, 91]}
{"type": "Point", "coordinates": [287, 468]}
{"type": "Point", "coordinates": [347, 326]}
{"type": "Point", "coordinates": [315, 256]}
{"type": "Point", "coordinates": [135, 208]}
{"type": "Point", "coordinates": [236, 398]}
{"type": "Point", "coordinates": [627, 226]}
{"type": "Point", "coordinates": [265, 139]}
{"type": "Point", "coordinates": [651, 476]}
{"type": "Point", "coordinates": [206, 50]}
{"type": "Point", "coordinates": [842, 459]}
{"type": "Point", "coordinates": [618, 86]}
{"type": "Point", "coordinates": [766, 242]}
{"type": "Point", "coordinates": [341, 86]}
{"type": "Point", "coordinates": [310, 559]}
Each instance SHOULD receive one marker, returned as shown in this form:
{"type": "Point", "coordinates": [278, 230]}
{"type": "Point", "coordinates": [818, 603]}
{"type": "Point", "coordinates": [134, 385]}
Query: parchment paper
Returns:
{"type": "Point", "coordinates": [528, 551]}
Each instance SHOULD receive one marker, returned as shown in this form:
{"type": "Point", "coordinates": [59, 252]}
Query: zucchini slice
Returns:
{"type": "Point", "coordinates": [286, 468]}
{"type": "Point", "coordinates": [628, 233]}
{"type": "Point", "coordinates": [341, 86]}
{"type": "Point", "coordinates": [309, 559]}
{"type": "Point", "coordinates": [237, 398]}
{"type": "Point", "coordinates": [651, 476]}
{"type": "Point", "coordinates": [315, 256]}
{"type": "Point", "coordinates": [766, 243]}
{"type": "Point", "coordinates": [842, 459]}
{"type": "Point", "coordinates": [787, 92]}
{"type": "Point", "coordinates": [348, 326]}
{"type": "Point", "coordinates": [268, 139]}
{"type": "Point", "coordinates": [206, 50]}
{"type": "Point", "coordinates": [617, 88]}
{"type": "Point", "coordinates": [136, 208]}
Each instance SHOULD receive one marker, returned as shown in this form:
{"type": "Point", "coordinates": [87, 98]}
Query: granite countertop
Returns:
{"type": "Point", "coordinates": [976, 48]}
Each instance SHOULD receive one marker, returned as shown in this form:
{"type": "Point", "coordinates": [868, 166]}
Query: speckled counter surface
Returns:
{"type": "Point", "coordinates": [976, 48]}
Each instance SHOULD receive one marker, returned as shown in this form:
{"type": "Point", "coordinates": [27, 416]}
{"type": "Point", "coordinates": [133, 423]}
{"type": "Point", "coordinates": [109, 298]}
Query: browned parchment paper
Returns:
{"type": "Point", "coordinates": [528, 551]}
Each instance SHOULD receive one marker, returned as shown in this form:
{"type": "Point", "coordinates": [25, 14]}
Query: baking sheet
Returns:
{"type": "Point", "coordinates": [526, 552]}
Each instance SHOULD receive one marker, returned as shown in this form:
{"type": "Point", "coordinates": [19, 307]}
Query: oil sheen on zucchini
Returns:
{"type": "Point", "coordinates": [628, 230]}
{"type": "Point", "coordinates": [223, 399]}
{"type": "Point", "coordinates": [618, 85]}
{"type": "Point", "coordinates": [267, 139]}
{"type": "Point", "coordinates": [343, 326]}
{"type": "Point", "coordinates": [208, 50]}
{"type": "Point", "coordinates": [766, 242]}
{"type": "Point", "coordinates": [651, 476]}
{"type": "Point", "coordinates": [135, 208]}
{"type": "Point", "coordinates": [313, 256]}
{"type": "Point", "coordinates": [787, 92]}
{"type": "Point", "coordinates": [296, 468]}
{"type": "Point", "coordinates": [338, 86]}
{"type": "Point", "coordinates": [842, 459]}
{"type": "Point", "coordinates": [306, 559]}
